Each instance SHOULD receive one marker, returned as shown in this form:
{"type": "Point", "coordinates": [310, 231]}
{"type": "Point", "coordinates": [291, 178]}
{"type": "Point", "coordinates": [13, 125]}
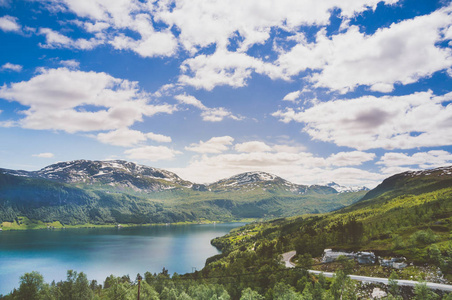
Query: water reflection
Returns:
{"type": "Point", "coordinates": [100, 252]}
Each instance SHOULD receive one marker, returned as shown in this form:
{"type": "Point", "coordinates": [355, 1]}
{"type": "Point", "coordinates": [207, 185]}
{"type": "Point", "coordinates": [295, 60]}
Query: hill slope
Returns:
{"type": "Point", "coordinates": [409, 214]}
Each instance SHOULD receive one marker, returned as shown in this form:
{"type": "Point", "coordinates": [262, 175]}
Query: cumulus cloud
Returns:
{"type": "Point", "coordinates": [380, 60]}
{"type": "Point", "coordinates": [253, 146]}
{"type": "Point", "coordinates": [389, 122]}
{"type": "Point", "coordinates": [342, 159]}
{"type": "Point", "coordinates": [151, 44]}
{"type": "Point", "coordinates": [127, 137]}
{"type": "Point", "coordinates": [199, 25]}
{"type": "Point", "coordinates": [216, 22]}
{"type": "Point", "coordinates": [208, 114]}
{"type": "Point", "coordinates": [44, 155]}
{"type": "Point", "coordinates": [9, 24]}
{"type": "Point", "coordinates": [151, 153]}
{"type": "Point", "coordinates": [394, 162]}
{"type": "Point", "coordinates": [122, 137]}
{"type": "Point", "coordinates": [224, 68]}
{"type": "Point", "coordinates": [70, 63]}
{"type": "Point", "coordinates": [190, 100]}
{"type": "Point", "coordinates": [292, 97]}
{"type": "Point", "coordinates": [289, 148]}
{"type": "Point", "coordinates": [339, 62]}
{"type": "Point", "coordinates": [75, 101]}
{"type": "Point", "coordinates": [11, 67]}
{"type": "Point", "coordinates": [214, 145]}
{"type": "Point", "coordinates": [57, 40]}
{"type": "Point", "coordinates": [111, 22]}
{"type": "Point", "coordinates": [202, 24]}
{"type": "Point", "coordinates": [158, 137]}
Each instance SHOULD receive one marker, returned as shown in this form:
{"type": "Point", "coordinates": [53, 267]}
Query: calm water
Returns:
{"type": "Point", "coordinates": [101, 252]}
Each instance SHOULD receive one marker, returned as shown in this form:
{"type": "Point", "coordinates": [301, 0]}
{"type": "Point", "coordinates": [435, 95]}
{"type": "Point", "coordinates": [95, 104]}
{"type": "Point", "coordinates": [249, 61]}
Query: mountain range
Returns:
{"type": "Point", "coordinates": [125, 175]}
{"type": "Point", "coordinates": [105, 192]}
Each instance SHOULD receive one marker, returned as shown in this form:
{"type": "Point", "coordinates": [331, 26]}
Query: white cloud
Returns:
{"type": "Point", "coordinates": [203, 24]}
{"type": "Point", "coordinates": [190, 100]}
{"type": "Point", "coordinates": [200, 25]}
{"type": "Point", "coordinates": [288, 148]}
{"type": "Point", "coordinates": [74, 101]}
{"type": "Point", "coordinates": [253, 146]}
{"type": "Point", "coordinates": [393, 162]}
{"type": "Point", "coordinates": [70, 63]}
{"type": "Point", "coordinates": [151, 44]}
{"type": "Point", "coordinates": [293, 96]}
{"type": "Point", "coordinates": [208, 114]}
{"type": "Point", "coordinates": [44, 155]}
{"type": "Point", "coordinates": [224, 68]}
{"type": "Point", "coordinates": [9, 24]}
{"type": "Point", "coordinates": [401, 53]}
{"type": "Point", "coordinates": [11, 67]}
{"type": "Point", "coordinates": [95, 27]}
{"type": "Point", "coordinates": [127, 137]}
{"type": "Point", "coordinates": [382, 87]}
{"type": "Point", "coordinates": [110, 22]}
{"type": "Point", "coordinates": [350, 158]}
{"type": "Point", "coordinates": [57, 40]}
{"type": "Point", "coordinates": [218, 114]}
{"type": "Point", "coordinates": [389, 122]}
{"type": "Point", "coordinates": [158, 137]}
{"type": "Point", "coordinates": [151, 153]}
{"type": "Point", "coordinates": [214, 145]}
{"type": "Point", "coordinates": [122, 137]}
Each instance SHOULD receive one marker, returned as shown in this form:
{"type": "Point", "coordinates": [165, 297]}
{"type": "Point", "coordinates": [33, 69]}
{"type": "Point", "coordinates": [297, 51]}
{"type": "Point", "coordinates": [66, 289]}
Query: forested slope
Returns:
{"type": "Point", "coordinates": [109, 192]}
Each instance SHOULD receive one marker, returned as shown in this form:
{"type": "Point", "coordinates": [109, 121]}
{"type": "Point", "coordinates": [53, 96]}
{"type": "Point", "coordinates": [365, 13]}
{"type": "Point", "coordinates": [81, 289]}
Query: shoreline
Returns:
{"type": "Point", "coordinates": [27, 224]}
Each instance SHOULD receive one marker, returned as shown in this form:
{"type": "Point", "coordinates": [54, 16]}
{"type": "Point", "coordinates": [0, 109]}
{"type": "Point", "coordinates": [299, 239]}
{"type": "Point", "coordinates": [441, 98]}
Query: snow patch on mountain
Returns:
{"type": "Point", "coordinates": [346, 189]}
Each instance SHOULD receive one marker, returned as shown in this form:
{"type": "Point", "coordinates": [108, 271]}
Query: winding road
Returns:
{"type": "Point", "coordinates": [434, 286]}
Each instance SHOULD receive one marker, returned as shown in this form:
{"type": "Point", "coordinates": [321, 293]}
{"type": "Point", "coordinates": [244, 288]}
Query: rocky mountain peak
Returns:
{"type": "Point", "coordinates": [86, 171]}
{"type": "Point", "coordinates": [346, 189]}
{"type": "Point", "coordinates": [248, 177]}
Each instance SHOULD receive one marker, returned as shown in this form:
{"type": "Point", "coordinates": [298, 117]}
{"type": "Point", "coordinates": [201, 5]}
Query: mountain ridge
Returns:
{"type": "Point", "coordinates": [90, 172]}
{"type": "Point", "coordinates": [105, 192]}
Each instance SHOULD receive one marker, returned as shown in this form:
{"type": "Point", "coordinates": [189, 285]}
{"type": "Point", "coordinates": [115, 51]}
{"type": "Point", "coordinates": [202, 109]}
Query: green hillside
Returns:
{"type": "Point", "coordinates": [80, 203]}
{"type": "Point", "coordinates": [408, 215]}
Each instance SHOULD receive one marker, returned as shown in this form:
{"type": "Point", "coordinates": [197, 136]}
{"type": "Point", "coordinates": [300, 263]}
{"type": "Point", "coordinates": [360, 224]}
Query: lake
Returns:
{"type": "Point", "coordinates": [99, 252]}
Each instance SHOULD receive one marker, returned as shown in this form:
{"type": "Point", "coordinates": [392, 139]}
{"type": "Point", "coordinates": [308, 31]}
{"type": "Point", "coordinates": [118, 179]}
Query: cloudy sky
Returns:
{"type": "Point", "coordinates": [350, 91]}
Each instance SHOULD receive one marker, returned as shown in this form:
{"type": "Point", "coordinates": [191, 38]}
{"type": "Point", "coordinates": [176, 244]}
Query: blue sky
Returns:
{"type": "Point", "coordinates": [313, 91]}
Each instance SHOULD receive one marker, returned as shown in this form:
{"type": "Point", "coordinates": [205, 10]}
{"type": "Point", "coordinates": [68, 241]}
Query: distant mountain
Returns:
{"type": "Point", "coordinates": [267, 181]}
{"type": "Point", "coordinates": [257, 180]}
{"type": "Point", "coordinates": [346, 189]}
{"type": "Point", "coordinates": [100, 192]}
{"type": "Point", "coordinates": [118, 173]}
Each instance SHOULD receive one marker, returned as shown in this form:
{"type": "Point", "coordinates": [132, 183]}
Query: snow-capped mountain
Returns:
{"type": "Point", "coordinates": [247, 178]}
{"type": "Point", "coordinates": [261, 180]}
{"type": "Point", "coordinates": [120, 174]}
{"type": "Point", "coordinates": [346, 189]}
{"type": "Point", "coordinates": [117, 173]}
